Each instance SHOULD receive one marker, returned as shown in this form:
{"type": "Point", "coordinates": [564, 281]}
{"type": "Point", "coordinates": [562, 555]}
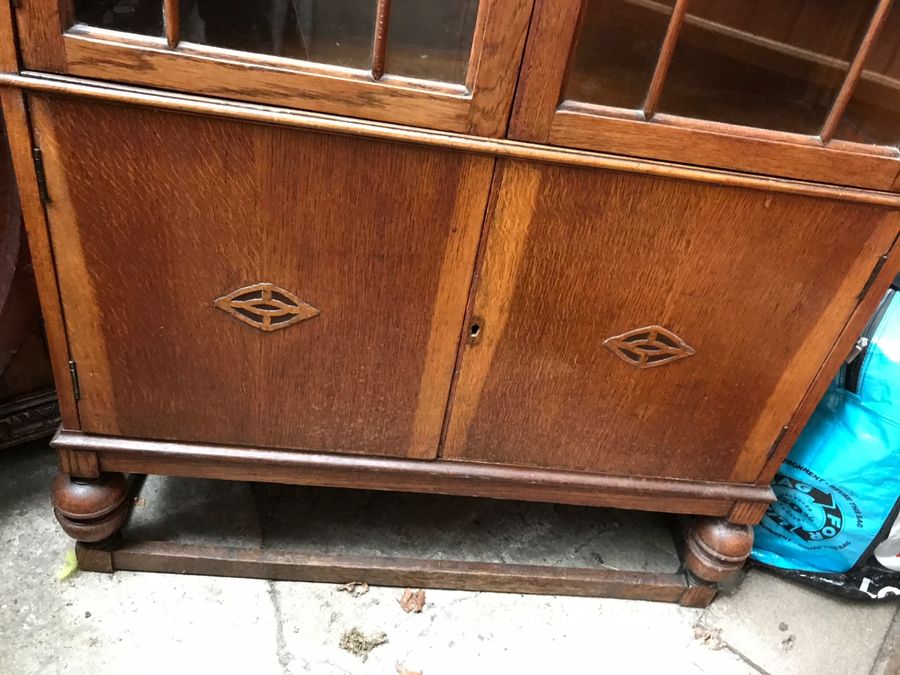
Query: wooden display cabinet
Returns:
{"type": "Point", "coordinates": [598, 252]}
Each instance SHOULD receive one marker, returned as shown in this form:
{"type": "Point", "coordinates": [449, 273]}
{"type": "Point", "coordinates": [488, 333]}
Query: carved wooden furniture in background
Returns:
{"type": "Point", "coordinates": [460, 247]}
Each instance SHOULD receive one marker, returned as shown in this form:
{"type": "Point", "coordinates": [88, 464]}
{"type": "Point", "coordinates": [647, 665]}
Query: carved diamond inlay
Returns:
{"type": "Point", "coordinates": [649, 346]}
{"type": "Point", "coordinates": [266, 306]}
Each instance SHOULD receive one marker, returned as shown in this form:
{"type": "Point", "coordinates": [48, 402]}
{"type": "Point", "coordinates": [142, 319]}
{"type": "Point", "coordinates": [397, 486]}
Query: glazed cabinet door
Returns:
{"type": "Point", "coordinates": [808, 89]}
{"type": "Point", "coordinates": [232, 283]}
{"type": "Point", "coordinates": [641, 325]}
{"type": "Point", "coordinates": [446, 64]}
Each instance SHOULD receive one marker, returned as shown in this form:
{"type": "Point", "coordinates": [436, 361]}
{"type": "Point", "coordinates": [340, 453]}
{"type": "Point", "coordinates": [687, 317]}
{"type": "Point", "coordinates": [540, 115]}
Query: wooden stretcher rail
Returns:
{"type": "Point", "coordinates": [223, 561]}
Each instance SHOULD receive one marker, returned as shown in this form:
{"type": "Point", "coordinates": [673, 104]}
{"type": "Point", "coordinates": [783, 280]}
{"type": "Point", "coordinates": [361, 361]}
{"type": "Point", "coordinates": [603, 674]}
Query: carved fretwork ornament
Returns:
{"type": "Point", "coordinates": [266, 306]}
{"type": "Point", "coordinates": [648, 347]}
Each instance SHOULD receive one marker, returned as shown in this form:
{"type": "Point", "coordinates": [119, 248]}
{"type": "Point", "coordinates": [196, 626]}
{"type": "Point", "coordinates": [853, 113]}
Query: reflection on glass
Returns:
{"type": "Point", "coordinates": [129, 16]}
{"type": "Point", "coordinates": [775, 65]}
{"type": "Point", "coordinates": [616, 50]}
{"type": "Point", "coordinates": [873, 115]}
{"type": "Point", "coordinates": [337, 32]}
{"type": "Point", "coordinates": [431, 39]}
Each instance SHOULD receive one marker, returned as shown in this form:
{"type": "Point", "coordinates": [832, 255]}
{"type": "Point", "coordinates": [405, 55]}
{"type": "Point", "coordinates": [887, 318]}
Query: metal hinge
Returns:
{"type": "Point", "coordinates": [858, 349]}
{"type": "Point", "coordinates": [778, 440]}
{"type": "Point", "coordinates": [873, 276]}
{"type": "Point", "coordinates": [76, 388]}
{"type": "Point", "coordinates": [41, 176]}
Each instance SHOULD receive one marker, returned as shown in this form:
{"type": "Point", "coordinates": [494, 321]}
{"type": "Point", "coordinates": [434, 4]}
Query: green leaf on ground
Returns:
{"type": "Point", "coordinates": [69, 567]}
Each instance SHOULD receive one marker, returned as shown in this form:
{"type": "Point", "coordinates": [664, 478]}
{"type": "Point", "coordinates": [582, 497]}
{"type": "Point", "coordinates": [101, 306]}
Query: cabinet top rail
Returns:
{"type": "Point", "coordinates": [69, 86]}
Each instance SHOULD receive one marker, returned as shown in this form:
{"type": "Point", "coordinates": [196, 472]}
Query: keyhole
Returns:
{"type": "Point", "coordinates": [475, 330]}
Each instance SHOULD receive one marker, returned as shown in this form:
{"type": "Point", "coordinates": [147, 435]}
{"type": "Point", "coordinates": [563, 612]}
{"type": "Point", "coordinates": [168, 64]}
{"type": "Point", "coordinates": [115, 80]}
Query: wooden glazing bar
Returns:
{"type": "Point", "coordinates": [172, 22]}
{"type": "Point", "coordinates": [477, 46]}
{"type": "Point", "coordinates": [665, 58]}
{"type": "Point", "coordinates": [856, 68]}
{"type": "Point", "coordinates": [379, 41]}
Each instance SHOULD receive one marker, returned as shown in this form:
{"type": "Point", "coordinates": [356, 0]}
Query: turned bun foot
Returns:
{"type": "Point", "coordinates": [91, 510]}
{"type": "Point", "coordinates": [716, 548]}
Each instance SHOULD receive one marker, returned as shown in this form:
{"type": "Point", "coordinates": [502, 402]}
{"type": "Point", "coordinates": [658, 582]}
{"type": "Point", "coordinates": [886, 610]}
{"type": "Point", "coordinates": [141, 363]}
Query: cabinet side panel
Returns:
{"type": "Point", "coordinates": [16, 119]}
{"type": "Point", "coordinates": [646, 326]}
{"type": "Point", "coordinates": [176, 234]}
{"type": "Point", "coordinates": [838, 356]}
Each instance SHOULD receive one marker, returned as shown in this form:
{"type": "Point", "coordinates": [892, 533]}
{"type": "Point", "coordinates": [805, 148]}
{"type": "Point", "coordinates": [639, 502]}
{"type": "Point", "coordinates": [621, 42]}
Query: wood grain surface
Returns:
{"type": "Point", "coordinates": [9, 58]}
{"type": "Point", "coordinates": [164, 100]}
{"type": "Point", "coordinates": [181, 558]}
{"type": "Point", "coordinates": [543, 114]}
{"type": "Point", "coordinates": [51, 43]}
{"type": "Point", "coordinates": [667, 138]}
{"type": "Point", "coordinates": [759, 285]}
{"type": "Point", "coordinates": [471, 479]}
{"type": "Point", "coordinates": [155, 216]}
{"type": "Point", "coordinates": [836, 358]}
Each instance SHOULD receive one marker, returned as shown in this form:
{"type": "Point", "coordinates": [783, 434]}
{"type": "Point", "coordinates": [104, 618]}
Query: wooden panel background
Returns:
{"type": "Point", "coordinates": [155, 215]}
{"type": "Point", "coordinates": [813, 25]}
{"type": "Point", "coordinates": [759, 284]}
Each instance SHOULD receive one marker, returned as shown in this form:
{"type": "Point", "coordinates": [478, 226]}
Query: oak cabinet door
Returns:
{"type": "Point", "coordinates": [640, 325]}
{"type": "Point", "coordinates": [234, 283]}
{"type": "Point", "coordinates": [446, 64]}
{"type": "Point", "coordinates": [801, 88]}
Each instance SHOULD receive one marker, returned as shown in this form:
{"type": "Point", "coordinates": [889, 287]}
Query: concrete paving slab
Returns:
{"type": "Point", "coordinates": [888, 661]}
{"type": "Point", "coordinates": [785, 628]}
{"type": "Point", "coordinates": [113, 624]}
{"type": "Point", "coordinates": [152, 623]}
{"type": "Point", "coordinates": [462, 632]}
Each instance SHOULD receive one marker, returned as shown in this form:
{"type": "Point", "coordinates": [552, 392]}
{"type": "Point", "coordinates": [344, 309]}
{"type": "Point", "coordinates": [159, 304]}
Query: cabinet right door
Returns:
{"type": "Point", "coordinates": [643, 325]}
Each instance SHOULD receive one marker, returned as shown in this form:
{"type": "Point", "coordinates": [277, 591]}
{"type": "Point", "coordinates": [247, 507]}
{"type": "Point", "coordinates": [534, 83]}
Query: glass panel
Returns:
{"type": "Point", "coordinates": [776, 64]}
{"type": "Point", "coordinates": [873, 115]}
{"type": "Point", "coordinates": [616, 51]}
{"type": "Point", "coordinates": [144, 17]}
{"type": "Point", "coordinates": [337, 32]}
{"type": "Point", "coordinates": [431, 39]}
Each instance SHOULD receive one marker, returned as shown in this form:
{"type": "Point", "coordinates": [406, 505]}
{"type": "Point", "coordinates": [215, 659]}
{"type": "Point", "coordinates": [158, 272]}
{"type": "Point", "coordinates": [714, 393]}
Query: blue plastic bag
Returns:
{"type": "Point", "coordinates": [839, 486]}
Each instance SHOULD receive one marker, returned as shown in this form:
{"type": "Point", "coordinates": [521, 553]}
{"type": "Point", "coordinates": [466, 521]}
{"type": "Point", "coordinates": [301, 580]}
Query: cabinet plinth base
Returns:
{"type": "Point", "coordinates": [601, 553]}
{"type": "Point", "coordinates": [469, 479]}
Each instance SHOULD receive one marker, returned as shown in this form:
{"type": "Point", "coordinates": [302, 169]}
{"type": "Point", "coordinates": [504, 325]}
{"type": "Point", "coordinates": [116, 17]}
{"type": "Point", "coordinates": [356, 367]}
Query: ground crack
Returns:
{"type": "Point", "coordinates": [284, 655]}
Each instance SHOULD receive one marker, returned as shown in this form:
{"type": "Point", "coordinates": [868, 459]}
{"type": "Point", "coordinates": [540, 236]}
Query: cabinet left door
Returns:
{"type": "Point", "coordinates": [239, 284]}
{"type": "Point", "coordinates": [444, 64]}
